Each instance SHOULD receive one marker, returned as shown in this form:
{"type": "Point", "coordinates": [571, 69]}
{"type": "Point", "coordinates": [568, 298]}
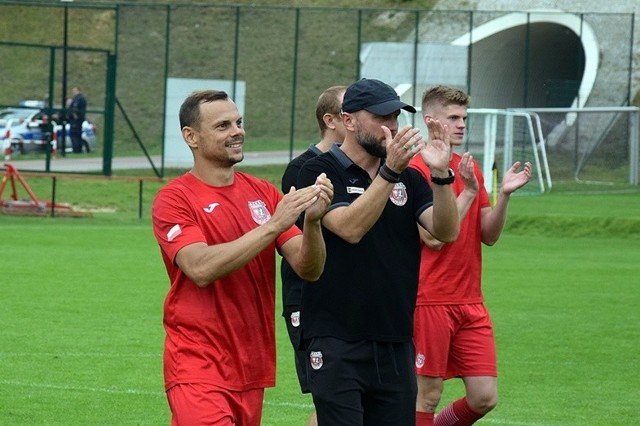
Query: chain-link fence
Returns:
{"type": "Point", "coordinates": [279, 59]}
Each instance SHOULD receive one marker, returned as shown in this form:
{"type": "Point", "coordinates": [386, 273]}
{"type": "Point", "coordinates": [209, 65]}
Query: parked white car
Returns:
{"type": "Point", "coordinates": [21, 132]}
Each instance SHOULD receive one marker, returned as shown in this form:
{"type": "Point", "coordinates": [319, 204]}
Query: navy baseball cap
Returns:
{"type": "Point", "coordinates": [374, 96]}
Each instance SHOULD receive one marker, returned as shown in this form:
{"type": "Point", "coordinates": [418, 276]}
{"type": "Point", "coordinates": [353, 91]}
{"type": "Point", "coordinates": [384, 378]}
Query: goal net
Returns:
{"type": "Point", "coordinates": [594, 146]}
{"type": "Point", "coordinates": [575, 147]}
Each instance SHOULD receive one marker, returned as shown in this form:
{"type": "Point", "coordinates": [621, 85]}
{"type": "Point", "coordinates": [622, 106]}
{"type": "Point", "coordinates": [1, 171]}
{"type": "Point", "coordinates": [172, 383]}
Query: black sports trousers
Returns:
{"type": "Point", "coordinates": [362, 383]}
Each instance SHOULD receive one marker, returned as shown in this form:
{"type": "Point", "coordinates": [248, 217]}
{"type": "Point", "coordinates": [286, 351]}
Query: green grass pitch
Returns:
{"type": "Point", "coordinates": [81, 308]}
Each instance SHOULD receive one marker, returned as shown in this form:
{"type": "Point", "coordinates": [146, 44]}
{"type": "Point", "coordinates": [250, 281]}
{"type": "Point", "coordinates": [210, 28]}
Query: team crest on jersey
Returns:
{"type": "Point", "coordinates": [259, 212]}
{"type": "Point", "coordinates": [316, 360]}
{"type": "Point", "coordinates": [420, 361]}
{"type": "Point", "coordinates": [399, 194]}
{"type": "Point", "coordinates": [295, 319]}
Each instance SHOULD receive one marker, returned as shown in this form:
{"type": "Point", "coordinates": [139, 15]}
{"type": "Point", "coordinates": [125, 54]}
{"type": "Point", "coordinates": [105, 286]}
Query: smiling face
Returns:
{"type": "Point", "coordinates": [218, 137]}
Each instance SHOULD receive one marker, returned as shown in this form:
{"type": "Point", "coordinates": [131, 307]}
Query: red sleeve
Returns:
{"type": "Point", "coordinates": [173, 223]}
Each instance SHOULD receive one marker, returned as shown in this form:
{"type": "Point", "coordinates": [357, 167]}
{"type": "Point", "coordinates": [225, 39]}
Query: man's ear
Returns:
{"type": "Point", "coordinates": [190, 136]}
{"type": "Point", "coordinates": [348, 120]}
{"type": "Point", "coordinates": [329, 121]}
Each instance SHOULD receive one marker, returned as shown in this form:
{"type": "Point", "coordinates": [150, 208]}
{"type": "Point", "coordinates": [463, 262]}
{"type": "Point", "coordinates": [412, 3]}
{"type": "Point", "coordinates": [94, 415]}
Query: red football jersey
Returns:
{"type": "Point", "coordinates": [454, 278]}
{"type": "Point", "coordinates": [222, 334]}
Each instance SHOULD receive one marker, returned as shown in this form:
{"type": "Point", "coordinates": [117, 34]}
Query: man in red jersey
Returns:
{"type": "Point", "coordinates": [453, 333]}
{"type": "Point", "coordinates": [218, 230]}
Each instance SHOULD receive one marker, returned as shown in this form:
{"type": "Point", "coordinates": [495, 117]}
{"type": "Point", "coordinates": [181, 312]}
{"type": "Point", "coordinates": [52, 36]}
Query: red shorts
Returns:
{"type": "Point", "coordinates": [454, 341]}
{"type": "Point", "coordinates": [195, 404]}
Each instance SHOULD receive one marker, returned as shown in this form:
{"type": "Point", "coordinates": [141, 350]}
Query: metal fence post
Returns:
{"type": "Point", "coordinates": [109, 106]}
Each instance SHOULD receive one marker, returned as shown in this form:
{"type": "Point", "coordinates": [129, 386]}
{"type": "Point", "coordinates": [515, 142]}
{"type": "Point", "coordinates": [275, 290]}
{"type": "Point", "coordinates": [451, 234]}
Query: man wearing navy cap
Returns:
{"type": "Point", "coordinates": [357, 319]}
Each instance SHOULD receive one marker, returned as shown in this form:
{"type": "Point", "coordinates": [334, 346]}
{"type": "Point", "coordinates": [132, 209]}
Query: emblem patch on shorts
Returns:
{"type": "Point", "coordinates": [259, 212]}
{"type": "Point", "coordinates": [295, 319]}
{"type": "Point", "coordinates": [399, 194]}
{"type": "Point", "coordinates": [420, 360]}
{"type": "Point", "coordinates": [316, 359]}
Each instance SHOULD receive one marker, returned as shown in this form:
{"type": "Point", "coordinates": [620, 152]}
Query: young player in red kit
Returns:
{"type": "Point", "coordinates": [453, 333]}
{"type": "Point", "coordinates": [218, 231]}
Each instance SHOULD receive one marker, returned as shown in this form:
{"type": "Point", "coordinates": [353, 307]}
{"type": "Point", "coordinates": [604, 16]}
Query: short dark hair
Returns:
{"type": "Point", "coordinates": [190, 109]}
{"type": "Point", "coordinates": [328, 103]}
{"type": "Point", "coordinates": [443, 96]}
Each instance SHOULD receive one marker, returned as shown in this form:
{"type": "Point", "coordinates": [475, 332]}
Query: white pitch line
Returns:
{"type": "Point", "coordinates": [80, 354]}
{"type": "Point", "coordinates": [288, 404]}
{"type": "Point", "coordinates": [513, 423]}
{"type": "Point", "coordinates": [125, 392]}
{"type": "Point", "coordinates": [266, 402]}
{"type": "Point", "coordinates": [81, 388]}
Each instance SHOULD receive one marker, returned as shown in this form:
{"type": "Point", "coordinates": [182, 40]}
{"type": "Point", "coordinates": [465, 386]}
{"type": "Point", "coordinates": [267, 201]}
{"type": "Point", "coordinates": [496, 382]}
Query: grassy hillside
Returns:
{"type": "Point", "coordinates": [199, 40]}
{"type": "Point", "coordinates": [286, 56]}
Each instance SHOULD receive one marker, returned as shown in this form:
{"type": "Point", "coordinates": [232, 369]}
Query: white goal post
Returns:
{"type": "Point", "coordinates": [492, 135]}
{"type": "Point", "coordinates": [504, 129]}
{"type": "Point", "coordinates": [581, 145]}
{"type": "Point", "coordinates": [603, 141]}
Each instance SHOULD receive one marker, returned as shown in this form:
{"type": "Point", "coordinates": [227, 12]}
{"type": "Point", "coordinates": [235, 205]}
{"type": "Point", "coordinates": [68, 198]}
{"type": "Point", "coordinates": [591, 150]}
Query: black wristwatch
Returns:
{"type": "Point", "coordinates": [443, 181]}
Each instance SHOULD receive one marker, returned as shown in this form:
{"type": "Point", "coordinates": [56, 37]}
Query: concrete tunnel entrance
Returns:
{"type": "Point", "coordinates": [530, 67]}
{"type": "Point", "coordinates": [531, 60]}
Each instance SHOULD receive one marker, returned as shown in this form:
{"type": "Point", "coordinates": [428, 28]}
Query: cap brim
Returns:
{"type": "Point", "coordinates": [389, 107]}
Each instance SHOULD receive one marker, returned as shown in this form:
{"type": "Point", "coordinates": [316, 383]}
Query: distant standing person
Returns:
{"type": "Point", "coordinates": [331, 132]}
{"type": "Point", "coordinates": [76, 112]}
{"type": "Point", "coordinates": [218, 231]}
{"type": "Point", "coordinates": [357, 319]}
{"type": "Point", "coordinates": [452, 328]}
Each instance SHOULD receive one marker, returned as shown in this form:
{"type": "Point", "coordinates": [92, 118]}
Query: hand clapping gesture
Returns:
{"type": "Point", "coordinates": [514, 180]}
{"type": "Point", "coordinates": [317, 209]}
{"type": "Point", "coordinates": [401, 148]}
{"type": "Point", "coordinates": [466, 173]}
{"type": "Point", "coordinates": [437, 153]}
{"type": "Point", "coordinates": [313, 200]}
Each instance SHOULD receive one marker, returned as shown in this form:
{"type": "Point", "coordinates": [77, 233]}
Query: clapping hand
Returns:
{"type": "Point", "coordinates": [467, 174]}
{"type": "Point", "coordinates": [437, 153]}
{"type": "Point", "coordinates": [514, 180]}
{"type": "Point", "coordinates": [316, 210]}
{"type": "Point", "coordinates": [402, 147]}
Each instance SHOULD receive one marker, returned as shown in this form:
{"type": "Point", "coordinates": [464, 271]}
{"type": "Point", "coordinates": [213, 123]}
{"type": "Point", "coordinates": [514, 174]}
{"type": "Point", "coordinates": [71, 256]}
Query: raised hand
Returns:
{"type": "Point", "coordinates": [316, 210]}
{"type": "Point", "coordinates": [466, 173]}
{"type": "Point", "coordinates": [514, 180]}
{"type": "Point", "coordinates": [294, 203]}
{"type": "Point", "coordinates": [437, 153]}
{"type": "Point", "coordinates": [401, 148]}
